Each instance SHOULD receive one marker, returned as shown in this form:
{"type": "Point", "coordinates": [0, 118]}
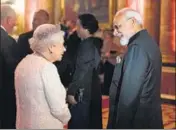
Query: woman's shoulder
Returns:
{"type": "Point", "coordinates": [49, 67]}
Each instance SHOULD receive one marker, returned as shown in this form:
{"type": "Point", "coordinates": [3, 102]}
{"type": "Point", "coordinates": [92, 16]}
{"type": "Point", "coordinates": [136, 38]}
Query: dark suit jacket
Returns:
{"type": "Point", "coordinates": [86, 78]}
{"type": "Point", "coordinates": [23, 44]}
{"type": "Point", "coordinates": [66, 67]}
{"type": "Point", "coordinates": [8, 62]}
{"type": "Point", "coordinates": [135, 88]}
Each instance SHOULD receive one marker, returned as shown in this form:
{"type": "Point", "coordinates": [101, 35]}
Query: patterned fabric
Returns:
{"type": "Point", "coordinates": [40, 95]}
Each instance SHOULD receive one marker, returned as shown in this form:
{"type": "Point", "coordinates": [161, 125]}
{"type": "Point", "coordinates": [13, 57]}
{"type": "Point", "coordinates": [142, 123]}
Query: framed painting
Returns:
{"type": "Point", "coordinates": [101, 9]}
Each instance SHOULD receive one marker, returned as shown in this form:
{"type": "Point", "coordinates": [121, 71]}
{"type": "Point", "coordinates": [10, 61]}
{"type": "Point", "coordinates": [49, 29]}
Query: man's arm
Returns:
{"type": "Point", "coordinates": [1, 71]}
{"type": "Point", "coordinates": [84, 61]}
{"type": "Point", "coordinates": [135, 67]}
{"type": "Point", "coordinates": [10, 53]}
{"type": "Point", "coordinates": [21, 46]}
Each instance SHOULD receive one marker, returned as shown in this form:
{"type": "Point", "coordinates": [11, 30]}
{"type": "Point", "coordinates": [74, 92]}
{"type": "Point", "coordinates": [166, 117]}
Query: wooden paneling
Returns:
{"type": "Point", "coordinates": [168, 83]}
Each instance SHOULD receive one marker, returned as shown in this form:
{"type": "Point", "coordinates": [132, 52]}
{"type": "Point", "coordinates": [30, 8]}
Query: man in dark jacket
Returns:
{"type": "Point", "coordinates": [8, 63]}
{"type": "Point", "coordinates": [84, 92]}
{"type": "Point", "coordinates": [66, 67]}
{"type": "Point", "coordinates": [135, 89]}
{"type": "Point", "coordinates": [40, 17]}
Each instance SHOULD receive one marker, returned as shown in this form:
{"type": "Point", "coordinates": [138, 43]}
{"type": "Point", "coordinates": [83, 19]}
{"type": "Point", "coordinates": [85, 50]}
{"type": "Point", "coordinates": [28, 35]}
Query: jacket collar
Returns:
{"type": "Point", "coordinates": [135, 36]}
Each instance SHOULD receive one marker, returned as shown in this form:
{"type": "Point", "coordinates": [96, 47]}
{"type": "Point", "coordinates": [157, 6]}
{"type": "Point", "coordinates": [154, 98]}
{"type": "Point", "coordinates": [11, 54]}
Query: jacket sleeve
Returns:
{"type": "Point", "coordinates": [55, 94]}
{"type": "Point", "coordinates": [21, 46]}
{"type": "Point", "coordinates": [84, 61]}
{"type": "Point", "coordinates": [1, 71]}
{"type": "Point", "coordinates": [135, 68]}
{"type": "Point", "coordinates": [10, 54]}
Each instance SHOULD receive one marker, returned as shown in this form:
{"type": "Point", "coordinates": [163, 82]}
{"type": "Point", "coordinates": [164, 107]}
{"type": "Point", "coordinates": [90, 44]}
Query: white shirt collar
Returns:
{"type": "Point", "coordinates": [3, 28]}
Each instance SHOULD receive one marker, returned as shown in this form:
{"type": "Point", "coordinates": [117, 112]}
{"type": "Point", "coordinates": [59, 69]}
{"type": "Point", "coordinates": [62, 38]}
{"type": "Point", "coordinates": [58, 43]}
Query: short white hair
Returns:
{"type": "Point", "coordinates": [7, 11]}
{"type": "Point", "coordinates": [131, 13]}
{"type": "Point", "coordinates": [45, 35]}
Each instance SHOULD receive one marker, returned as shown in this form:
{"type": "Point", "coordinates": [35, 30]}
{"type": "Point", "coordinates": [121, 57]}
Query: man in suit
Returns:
{"type": "Point", "coordinates": [135, 89]}
{"type": "Point", "coordinates": [40, 17]}
{"type": "Point", "coordinates": [84, 92]}
{"type": "Point", "coordinates": [8, 63]}
{"type": "Point", "coordinates": [66, 67]}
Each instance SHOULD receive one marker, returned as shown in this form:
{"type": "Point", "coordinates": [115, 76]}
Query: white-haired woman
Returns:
{"type": "Point", "coordinates": [40, 94]}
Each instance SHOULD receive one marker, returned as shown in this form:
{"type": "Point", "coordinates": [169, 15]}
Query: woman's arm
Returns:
{"type": "Point", "coordinates": [55, 94]}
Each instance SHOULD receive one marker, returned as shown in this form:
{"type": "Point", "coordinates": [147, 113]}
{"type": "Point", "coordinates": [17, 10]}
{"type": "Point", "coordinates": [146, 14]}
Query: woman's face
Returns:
{"type": "Point", "coordinates": [57, 51]}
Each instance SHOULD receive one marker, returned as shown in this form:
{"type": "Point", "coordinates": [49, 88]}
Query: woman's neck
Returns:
{"type": "Point", "coordinates": [43, 55]}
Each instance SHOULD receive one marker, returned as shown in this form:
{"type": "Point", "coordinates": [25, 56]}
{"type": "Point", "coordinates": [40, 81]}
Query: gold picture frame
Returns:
{"type": "Point", "coordinates": [74, 5]}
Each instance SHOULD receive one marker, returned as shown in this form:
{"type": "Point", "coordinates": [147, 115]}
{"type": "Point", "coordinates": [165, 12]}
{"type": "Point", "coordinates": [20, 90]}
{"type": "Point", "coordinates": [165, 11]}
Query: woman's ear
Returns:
{"type": "Point", "coordinates": [50, 48]}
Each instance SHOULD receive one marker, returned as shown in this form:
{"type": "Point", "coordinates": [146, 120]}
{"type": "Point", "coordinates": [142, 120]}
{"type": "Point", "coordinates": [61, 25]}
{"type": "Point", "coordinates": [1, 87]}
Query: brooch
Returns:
{"type": "Point", "coordinates": [118, 59]}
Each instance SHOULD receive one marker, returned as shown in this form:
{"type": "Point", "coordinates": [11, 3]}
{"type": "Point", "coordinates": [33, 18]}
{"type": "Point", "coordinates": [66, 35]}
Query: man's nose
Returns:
{"type": "Point", "coordinates": [116, 33]}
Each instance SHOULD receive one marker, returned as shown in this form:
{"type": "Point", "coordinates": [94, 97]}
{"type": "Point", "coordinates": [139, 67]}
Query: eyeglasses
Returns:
{"type": "Point", "coordinates": [119, 26]}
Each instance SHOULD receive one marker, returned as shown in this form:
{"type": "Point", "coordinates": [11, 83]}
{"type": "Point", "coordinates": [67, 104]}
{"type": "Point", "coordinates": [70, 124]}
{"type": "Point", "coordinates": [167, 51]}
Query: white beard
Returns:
{"type": "Point", "coordinates": [124, 41]}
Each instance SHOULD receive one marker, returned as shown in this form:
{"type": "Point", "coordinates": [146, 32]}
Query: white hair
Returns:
{"type": "Point", "coordinates": [7, 11]}
{"type": "Point", "coordinates": [45, 35]}
{"type": "Point", "coordinates": [131, 13]}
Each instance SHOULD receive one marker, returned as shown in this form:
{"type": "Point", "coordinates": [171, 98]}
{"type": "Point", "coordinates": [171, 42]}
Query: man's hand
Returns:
{"type": "Point", "coordinates": [71, 100]}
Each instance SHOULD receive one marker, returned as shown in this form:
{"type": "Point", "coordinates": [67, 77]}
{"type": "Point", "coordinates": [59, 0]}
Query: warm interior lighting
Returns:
{"type": "Point", "coordinates": [173, 26]}
{"type": "Point", "coordinates": [136, 5]}
{"type": "Point", "coordinates": [19, 6]}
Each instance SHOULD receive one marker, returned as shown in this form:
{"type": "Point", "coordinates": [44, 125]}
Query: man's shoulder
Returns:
{"type": "Point", "coordinates": [3, 33]}
{"type": "Point", "coordinates": [74, 36]}
{"type": "Point", "coordinates": [145, 37]}
{"type": "Point", "coordinates": [26, 34]}
{"type": "Point", "coordinates": [7, 38]}
{"type": "Point", "coordinates": [86, 46]}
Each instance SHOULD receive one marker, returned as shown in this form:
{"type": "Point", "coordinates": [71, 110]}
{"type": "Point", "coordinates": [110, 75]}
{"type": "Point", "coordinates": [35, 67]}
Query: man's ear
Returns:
{"type": "Point", "coordinates": [8, 20]}
{"type": "Point", "coordinates": [133, 20]}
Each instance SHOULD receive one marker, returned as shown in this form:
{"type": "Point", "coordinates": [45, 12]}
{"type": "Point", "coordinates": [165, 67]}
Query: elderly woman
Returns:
{"type": "Point", "coordinates": [40, 94]}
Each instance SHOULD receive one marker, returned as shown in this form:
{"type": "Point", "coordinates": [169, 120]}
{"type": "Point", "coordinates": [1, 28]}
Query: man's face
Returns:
{"type": "Point", "coordinates": [122, 28]}
{"type": "Point", "coordinates": [12, 21]}
{"type": "Point", "coordinates": [39, 19]}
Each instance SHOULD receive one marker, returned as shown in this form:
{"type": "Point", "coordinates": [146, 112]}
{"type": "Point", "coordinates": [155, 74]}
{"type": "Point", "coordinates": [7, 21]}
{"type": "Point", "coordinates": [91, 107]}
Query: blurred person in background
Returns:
{"type": "Point", "coordinates": [109, 53]}
{"type": "Point", "coordinates": [40, 17]}
{"type": "Point", "coordinates": [66, 67]}
{"type": "Point", "coordinates": [8, 63]}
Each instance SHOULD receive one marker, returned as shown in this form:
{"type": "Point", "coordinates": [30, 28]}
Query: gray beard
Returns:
{"type": "Point", "coordinates": [124, 41]}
